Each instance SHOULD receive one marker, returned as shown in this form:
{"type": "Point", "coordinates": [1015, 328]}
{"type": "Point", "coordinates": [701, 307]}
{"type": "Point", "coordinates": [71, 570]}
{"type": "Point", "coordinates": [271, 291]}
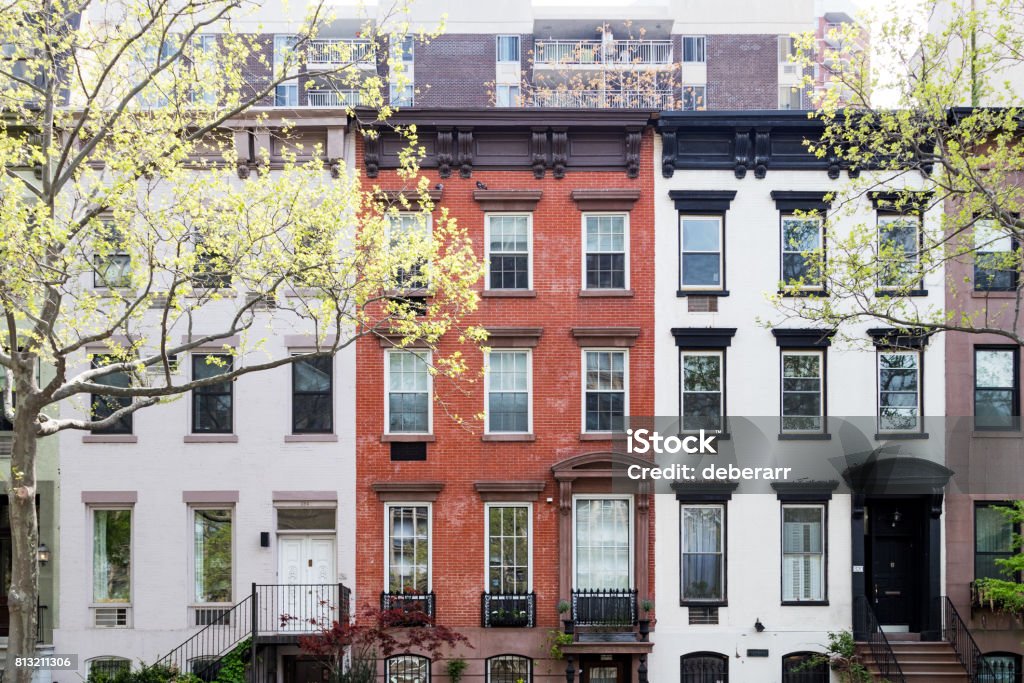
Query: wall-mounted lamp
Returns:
{"type": "Point", "coordinates": [264, 539]}
{"type": "Point", "coordinates": [43, 554]}
{"type": "Point", "coordinates": [758, 626]}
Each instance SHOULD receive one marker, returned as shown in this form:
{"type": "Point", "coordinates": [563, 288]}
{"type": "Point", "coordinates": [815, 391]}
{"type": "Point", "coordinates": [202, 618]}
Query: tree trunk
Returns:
{"type": "Point", "coordinates": [23, 595]}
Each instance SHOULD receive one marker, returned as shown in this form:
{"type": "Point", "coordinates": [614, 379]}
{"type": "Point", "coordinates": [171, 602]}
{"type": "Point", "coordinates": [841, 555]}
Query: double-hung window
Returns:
{"type": "Point", "coordinates": [508, 549]}
{"type": "Point", "coordinates": [408, 392]}
{"type": "Point", "coordinates": [700, 262]}
{"type": "Point", "coordinates": [996, 258]}
{"type": "Point", "coordinates": [694, 49]}
{"type": "Point", "coordinates": [507, 48]}
{"type": "Point", "coordinates": [899, 391]}
{"type": "Point", "coordinates": [112, 264]}
{"type": "Point", "coordinates": [993, 540]}
{"type": "Point", "coordinates": [603, 543]}
{"type": "Point", "coordinates": [803, 382]}
{"type": "Point", "coordinates": [508, 251]}
{"type": "Point", "coordinates": [606, 251]}
{"type": "Point", "coordinates": [112, 555]}
{"type": "Point", "coordinates": [285, 94]}
{"type": "Point", "coordinates": [802, 239]}
{"type": "Point", "coordinates": [103, 406]}
{"type": "Point", "coordinates": [407, 552]}
{"type": "Point", "coordinates": [803, 553]}
{"type": "Point", "coordinates": [212, 404]}
{"type": "Point", "coordinates": [212, 555]}
{"type": "Point", "coordinates": [313, 396]}
{"type": "Point", "coordinates": [508, 391]}
{"type": "Point", "coordinates": [605, 390]}
{"type": "Point", "coordinates": [702, 399]}
{"type": "Point", "coordinates": [899, 251]}
{"type": "Point", "coordinates": [996, 388]}
{"type": "Point", "coordinates": [410, 234]}
{"type": "Point", "coordinates": [507, 95]}
{"type": "Point", "coordinates": [702, 545]}
{"type": "Point", "coordinates": [694, 97]}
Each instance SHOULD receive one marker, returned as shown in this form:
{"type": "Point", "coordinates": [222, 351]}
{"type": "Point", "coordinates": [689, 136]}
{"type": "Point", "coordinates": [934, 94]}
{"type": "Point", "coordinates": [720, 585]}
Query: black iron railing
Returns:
{"type": "Point", "coordinates": [956, 633]}
{"type": "Point", "coordinates": [200, 653]}
{"type": "Point", "coordinates": [416, 605]}
{"type": "Point", "coordinates": [299, 608]}
{"type": "Point", "coordinates": [507, 611]}
{"type": "Point", "coordinates": [604, 607]}
{"type": "Point", "coordinates": [878, 644]}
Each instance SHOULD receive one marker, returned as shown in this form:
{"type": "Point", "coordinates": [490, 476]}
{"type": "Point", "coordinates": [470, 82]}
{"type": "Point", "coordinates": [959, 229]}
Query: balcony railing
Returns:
{"type": "Point", "coordinates": [507, 611]}
{"type": "Point", "coordinates": [333, 98]}
{"type": "Point", "coordinates": [606, 99]}
{"type": "Point", "coordinates": [604, 607]}
{"type": "Point", "coordinates": [340, 51]}
{"type": "Point", "coordinates": [418, 606]}
{"type": "Point", "coordinates": [597, 52]}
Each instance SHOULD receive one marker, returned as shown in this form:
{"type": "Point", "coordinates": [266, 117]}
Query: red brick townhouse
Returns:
{"type": "Point", "coordinates": [510, 530]}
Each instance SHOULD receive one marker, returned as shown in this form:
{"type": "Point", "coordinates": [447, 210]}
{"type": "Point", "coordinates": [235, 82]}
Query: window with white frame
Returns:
{"type": "Point", "coordinates": [702, 401]}
{"type": "Point", "coordinates": [212, 555]}
{"type": "Point", "coordinates": [204, 59]}
{"type": "Point", "coordinates": [603, 543]}
{"type": "Point", "coordinates": [701, 253]}
{"type": "Point", "coordinates": [112, 264]}
{"type": "Point", "coordinates": [803, 553]}
{"type": "Point", "coordinates": [507, 95]}
{"type": "Point", "coordinates": [788, 50]}
{"type": "Point", "coordinates": [694, 49]}
{"type": "Point", "coordinates": [605, 239]}
{"type": "Point", "coordinates": [803, 382]}
{"type": "Point", "coordinates": [410, 233]}
{"type": "Point", "coordinates": [509, 669]}
{"type": "Point", "coordinates": [899, 238]}
{"type": "Point", "coordinates": [605, 388]}
{"type": "Point", "coordinates": [899, 391]}
{"type": "Point", "coordinates": [112, 555]}
{"type": "Point", "coordinates": [285, 94]}
{"type": "Point", "coordinates": [407, 669]}
{"type": "Point", "coordinates": [508, 251]}
{"type": "Point", "coordinates": [790, 97]}
{"type": "Point", "coordinates": [408, 392]}
{"type": "Point", "coordinates": [407, 546]}
{"type": "Point", "coordinates": [507, 48]}
{"type": "Point", "coordinates": [508, 391]}
{"type": "Point", "coordinates": [802, 239]}
{"type": "Point", "coordinates": [702, 544]}
{"type": "Point", "coordinates": [508, 549]}
{"type": "Point", "coordinates": [695, 97]}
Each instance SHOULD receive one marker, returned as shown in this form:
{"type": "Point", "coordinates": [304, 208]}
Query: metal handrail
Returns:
{"type": "Point", "coordinates": [956, 633]}
{"type": "Point", "coordinates": [881, 651]}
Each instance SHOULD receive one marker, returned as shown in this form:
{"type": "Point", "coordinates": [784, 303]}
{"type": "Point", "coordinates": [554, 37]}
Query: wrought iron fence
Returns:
{"type": "Point", "coordinates": [507, 611]}
{"type": "Point", "coordinates": [604, 607]}
{"type": "Point", "coordinates": [416, 605]}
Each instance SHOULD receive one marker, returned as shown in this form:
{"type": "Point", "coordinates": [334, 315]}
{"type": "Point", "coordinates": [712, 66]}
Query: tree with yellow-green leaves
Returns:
{"type": "Point", "coordinates": [928, 121]}
{"type": "Point", "coordinates": [132, 219]}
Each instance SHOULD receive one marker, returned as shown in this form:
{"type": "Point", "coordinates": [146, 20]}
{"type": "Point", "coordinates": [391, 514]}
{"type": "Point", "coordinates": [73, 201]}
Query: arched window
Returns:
{"type": "Point", "coordinates": [509, 669]}
{"type": "Point", "coordinates": [408, 669]}
{"type": "Point", "coordinates": [800, 667]}
{"type": "Point", "coordinates": [705, 667]}
{"type": "Point", "coordinates": [205, 668]}
{"type": "Point", "coordinates": [1003, 667]}
{"type": "Point", "coordinates": [106, 668]}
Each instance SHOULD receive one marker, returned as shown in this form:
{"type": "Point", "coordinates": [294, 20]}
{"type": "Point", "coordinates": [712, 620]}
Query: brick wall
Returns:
{"type": "Point", "coordinates": [743, 71]}
{"type": "Point", "coordinates": [454, 70]}
{"type": "Point", "coordinates": [459, 457]}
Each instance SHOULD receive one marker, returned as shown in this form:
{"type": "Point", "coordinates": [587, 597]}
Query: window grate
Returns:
{"type": "Point", "coordinates": [111, 617]}
{"type": "Point", "coordinates": [207, 616]}
{"type": "Point", "coordinates": [703, 616]}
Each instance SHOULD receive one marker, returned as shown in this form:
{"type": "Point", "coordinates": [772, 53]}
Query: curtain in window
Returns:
{"type": "Point", "coordinates": [602, 543]}
{"type": "Point", "coordinates": [802, 554]}
{"type": "Point", "coordinates": [702, 553]}
{"type": "Point", "coordinates": [111, 559]}
{"type": "Point", "coordinates": [993, 540]}
{"type": "Point", "coordinates": [212, 556]}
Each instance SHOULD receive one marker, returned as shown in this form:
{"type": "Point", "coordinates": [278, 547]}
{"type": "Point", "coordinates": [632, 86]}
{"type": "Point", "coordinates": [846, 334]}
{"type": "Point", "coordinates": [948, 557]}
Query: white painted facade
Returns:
{"type": "Point", "coordinates": [752, 384]}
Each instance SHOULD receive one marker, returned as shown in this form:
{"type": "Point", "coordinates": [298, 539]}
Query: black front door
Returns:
{"type": "Point", "coordinates": [895, 564]}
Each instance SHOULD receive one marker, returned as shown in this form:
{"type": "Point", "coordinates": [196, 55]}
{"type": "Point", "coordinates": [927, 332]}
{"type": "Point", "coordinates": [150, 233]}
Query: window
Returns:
{"type": "Point", "coordinates": [409, 392]}
{"type": "Point", "coordinates": [401, 95]}
{"type": "Point", "coordinates": [313, 396]}
{"type": "Point", "coordinates": [508, 392]}
{"type": "Point", "coordinates": [899, 386]}
{"type": "Point", "coordinates": [789, 97]}
{"type": "Point", "coordinates": [604, 390]}
{"type": "Point", "coordinates": [700, 238]}
{"type": "Point", "coordinates": [805, 667]}
{"type": "Point", "coordinates": [603, 543]}
{"type": "Point", "coordinates": [108, 667]}
{"type": "Point", "coordinates": [508, 251]}
{"type": "Point", "coordinates": [408, 549]}
{"type": "Point", "coordinates": [993, 540]}
{"type": "Point", "coordinates": [211, 269]}
{"type": "Point", "coordinates": [704, 667]}
{"type": "Point", "coordinates": [801, 245]}
{"type": "Point", "coordinates": [213, 404]}
{"type": "Point", "coordinates": [898, 251]}
{"type": "Point", "coordinates": [693, 49]}
{"type": "Point", "coordinates": [112, 265]}
{"type": "Point", "coordinates": [212, 555]}
{"type": "Point", "coordinates": [403, 49]}
{"type": "Point", "coordinates": [103, 407]}
{"type": "Point", "coordinates": [408, 669]}
{"type": "Point", "coordinates": [508, 549]}
{"type": "Point", "coordinates": [787, 49]}
{"type": "Point", "coordinates": [695, 98]}
{"type": "Point", "coordinates": [702, 569]}
{"type": "Point", "coordinates": [204, 56]}
{"type": "Point", "coordinates": [112, 556]}
{"type": "Point", "coordinates": [507, 96]}
{"type": "Point", "coordinates": [702, 403]}
{"type": "Point", "coordinates": [803, 553]}
{"type": "Point", "coordinates": [286, 95]}
{"type": "Point", "coordinates": [1003, 667]}
{"type": "Point", "coordinates": [995, 258]}
{"type": "Point", "coordinates": [605, 237]}
{"type": "Point", "coordinates": [509, 669]}
{"type": "Point", "coordinates": [996, 394]}
{"type": "Point", "coordinates": [802, 391]}
{"type": "Point", "coordinates": [410, 233]}
{"type": "Point", "coordinates": [507, 49]}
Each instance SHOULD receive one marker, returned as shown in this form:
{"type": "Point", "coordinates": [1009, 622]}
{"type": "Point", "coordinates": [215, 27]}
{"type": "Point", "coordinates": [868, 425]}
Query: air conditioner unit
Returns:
{"type": "Point", "coordinates": [110, 617]}
{"type": "Point", "coordinates": [789, 69]}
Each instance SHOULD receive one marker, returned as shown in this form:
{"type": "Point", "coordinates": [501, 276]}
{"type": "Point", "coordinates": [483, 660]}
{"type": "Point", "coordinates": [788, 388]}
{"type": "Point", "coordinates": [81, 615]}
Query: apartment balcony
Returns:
{"type": "Point", "coordinates": [554, 54]}
{"type": "Point", "coordinates": [606, 99]}
{"type": "Point", "coordinates": [413, 609]}
{"type": "Point", "coordinates": [604, 607]}
{"type": "Point", "coordinates": [507, 611]}
{"type": "Point", "coordinates": [333, 98]}
{"type": "Point", "coordinates": [341, 51]}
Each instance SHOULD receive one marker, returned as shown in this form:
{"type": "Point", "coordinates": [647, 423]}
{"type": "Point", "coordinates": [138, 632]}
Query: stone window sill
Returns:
{"type": "Point", "coordinates": [597, 436]}
{"type": "Point", "coordinates": [600, 293]}
{"type": "Point", "coordinates": [110, 438]}
{"type": "Point", "coordinates": [508, 437]}
{"type": "Point", "coordinates": [211, 438]}
{"type": "Point", "coordinates": [407, 438]}
{"type": "Point", "coordinates": [310, 438]}
{"type": "Point", "coordinates": [508, 293]}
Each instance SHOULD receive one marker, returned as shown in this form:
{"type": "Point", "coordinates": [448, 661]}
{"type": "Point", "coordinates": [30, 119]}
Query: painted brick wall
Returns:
{"type": "Point", "coordinates": [453, 70]}
{"type": "Point", "coordinates": [743, 71]}
{"type": "Point", "coordinates": [458, 456]}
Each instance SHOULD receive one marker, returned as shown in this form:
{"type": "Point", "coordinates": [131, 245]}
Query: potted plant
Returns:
{"type": "Point", "coordinates": [563, 608]}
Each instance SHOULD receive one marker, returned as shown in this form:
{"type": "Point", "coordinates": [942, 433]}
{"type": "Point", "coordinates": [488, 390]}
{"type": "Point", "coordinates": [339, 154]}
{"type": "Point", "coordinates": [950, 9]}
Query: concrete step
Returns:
{"type": "Point", "coordinates": [920, 662]}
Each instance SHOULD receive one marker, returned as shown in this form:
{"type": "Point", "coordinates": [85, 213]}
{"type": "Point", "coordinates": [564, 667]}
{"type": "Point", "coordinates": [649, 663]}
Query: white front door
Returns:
{"type": "Point", "coordinates": [307, 596]}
